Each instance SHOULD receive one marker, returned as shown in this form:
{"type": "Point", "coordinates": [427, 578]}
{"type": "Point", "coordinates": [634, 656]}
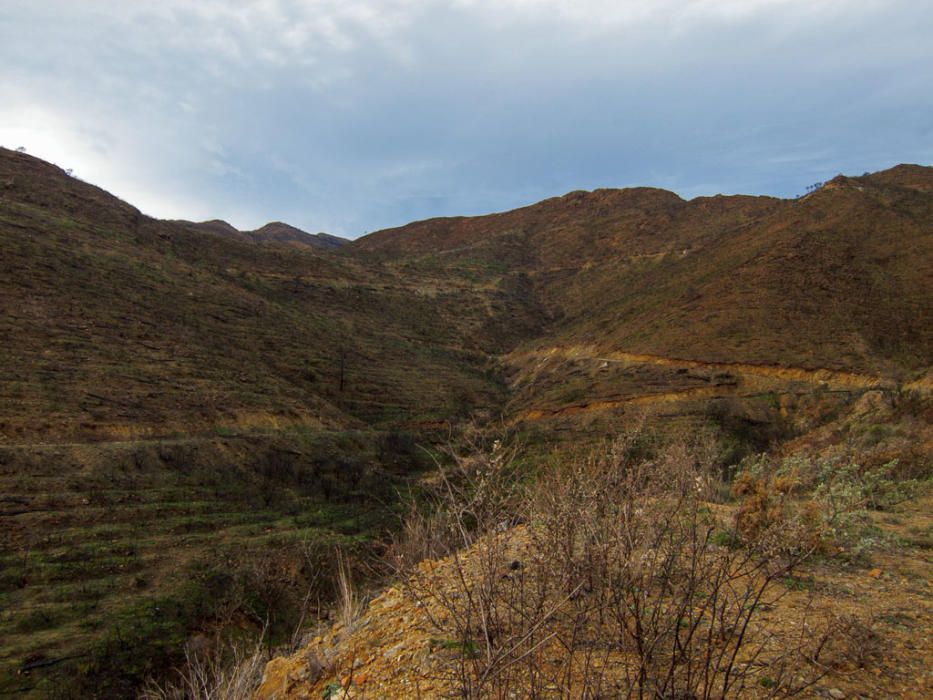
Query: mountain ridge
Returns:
{"type": "Point", "coordinates": [406, 324]}
{"type": "Point", "coordinates": [185, 409]}
{"type": "Point", "coordinates": [272, 232]}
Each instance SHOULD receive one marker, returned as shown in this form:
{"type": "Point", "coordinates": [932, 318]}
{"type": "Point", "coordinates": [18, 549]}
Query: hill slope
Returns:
{"type": "Point", "coordinates": [749, 279]}
{"type": "Point", "coordinates": [167, 380]}
{"type": "Point", "coordinates": [121, 325]}
{"type": "Point", "coordinates": [273, 232]}
{"type": "Point", "coordinates": [652, 298]}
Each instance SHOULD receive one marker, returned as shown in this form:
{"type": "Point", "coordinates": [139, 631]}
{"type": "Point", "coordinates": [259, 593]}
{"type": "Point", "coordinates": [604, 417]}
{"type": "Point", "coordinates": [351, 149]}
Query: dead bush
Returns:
{"type": "Point", "coordinates": [847, 642]}
{"type": "Point", "coordinates": [477, 489]}
{"type": "Point", "coordinates": [614, 586]}
{"type": "Point", "coordinates": [213, 675]}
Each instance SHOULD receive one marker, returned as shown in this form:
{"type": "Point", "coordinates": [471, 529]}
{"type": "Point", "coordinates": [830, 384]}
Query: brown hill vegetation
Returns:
{"type": "Point", "coordinates": [746, 306]}
{"type": "Point", "coordinates": [144, 360]}
{"type": "Point", "coordinates": [101, 302]}
{"type": "Point", "coordinates": [835, 280]}
{"type": "Point", "coordinates": [273, 232]}
{"type": "Point", "coordinates": [120, 325]}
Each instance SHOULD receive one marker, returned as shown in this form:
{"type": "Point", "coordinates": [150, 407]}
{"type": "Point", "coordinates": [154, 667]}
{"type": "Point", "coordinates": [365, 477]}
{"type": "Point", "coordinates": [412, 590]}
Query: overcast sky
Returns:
{"type": "Point", "coordinates": [352, 115]}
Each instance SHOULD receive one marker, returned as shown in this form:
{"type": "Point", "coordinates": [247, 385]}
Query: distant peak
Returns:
{"type": "Point", "coordinates": [627, 194]}
{"type": "Point", "coordinates": [219, 225]}
{"type": "Point", "coordinates": [280, 232]}
{"type": "Point", "coordinates": [275, 226]}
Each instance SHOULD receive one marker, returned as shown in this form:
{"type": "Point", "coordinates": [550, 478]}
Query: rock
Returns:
{"type": "Point", "coordinates": [313, 667]}
{"type": "Point", "coordinates": [274, 680]}
{"type": "Point", "coordinates": [393, 650]}
{"type": "Point", "coordinates": [836, 694]}
{"type": "Point", "coordinates": [282, 676]}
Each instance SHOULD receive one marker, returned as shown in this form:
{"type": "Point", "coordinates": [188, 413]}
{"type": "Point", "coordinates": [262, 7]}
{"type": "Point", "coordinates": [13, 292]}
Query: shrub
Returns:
{"type": "Point", "coordinates": [616, 583]}
{"type": "Point", "coordinates": [818, 503]}
{"type": "Point", "coordinates": [212, 675]}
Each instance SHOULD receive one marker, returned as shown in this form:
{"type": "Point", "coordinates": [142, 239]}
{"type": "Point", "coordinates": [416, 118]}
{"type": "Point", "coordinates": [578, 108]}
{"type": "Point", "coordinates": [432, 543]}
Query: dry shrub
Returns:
{"type": "Point", "coordinates": [216, 669]}
{"type": "Point", "coordinates": [477, 490]}
{"type": "Point", "coordinates": [769, 514]}
{"type": "Point", "coordinates": [213, 675]}
{"type": "Point", "coordinates": [349, 602]}
{"type": "Point", "coordinates": [846, 643]}
{"type": "Point", "coordinates": [616, 586]}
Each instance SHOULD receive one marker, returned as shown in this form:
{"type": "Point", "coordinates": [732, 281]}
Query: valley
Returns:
{"type": "Point", "coordinates": [193, 419]}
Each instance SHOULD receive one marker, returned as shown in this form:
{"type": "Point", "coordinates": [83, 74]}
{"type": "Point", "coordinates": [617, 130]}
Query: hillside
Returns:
{"type": "Point", "coordinates": [101, 303]}
{"type": "Point", "coordinates": [120, 325]}
{"type": "Point", "coordinates": [749, 300]}
{"type": "Point", "coordinates": [273, 232]}
{"type": "Point", "coordinates": [186, 408]}
{"type": "Point", "coordinates": [407, 643]}
{"type": "Point", "coordinates": [174, 397]}
{"type": "Point", "coordinates": [720, 279]}
{"type": "Point", "coordinates": [278, 232]}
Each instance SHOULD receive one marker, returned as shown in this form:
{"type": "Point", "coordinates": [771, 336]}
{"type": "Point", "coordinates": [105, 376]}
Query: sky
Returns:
{"type": "Point", "coordinates": [349, 116]}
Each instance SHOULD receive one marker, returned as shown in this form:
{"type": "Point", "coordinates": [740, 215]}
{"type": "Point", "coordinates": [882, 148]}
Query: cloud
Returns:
{"type": "Point", "coordinates": [349, 115]}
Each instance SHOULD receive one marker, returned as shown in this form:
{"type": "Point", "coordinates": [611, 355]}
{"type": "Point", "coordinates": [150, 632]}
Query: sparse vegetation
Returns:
{"type": "Point", "coordinates": [822, 503]}
{"type": "Point", "coordinates": [618, 582]}
{"type": "Point", "coordinates": [213, 676]}
{"type": "Point", "coordinates": [196, 422]}
{"type": "Point", "coordinates": [115, 564]}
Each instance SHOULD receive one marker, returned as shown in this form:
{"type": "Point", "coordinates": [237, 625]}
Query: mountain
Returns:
{"type": "Point", "coordinates": [719, 279]}
{"type": "Point", "coordinates": [274, 232]}
{"type": "Point", "coordinates": [649, 298]}
{"type": "Point", "coordinates": [122, 324]}
{"type": "Point", "coordinates": [278, 232]}
{"type": "Point", "coordinates": [175, 396]}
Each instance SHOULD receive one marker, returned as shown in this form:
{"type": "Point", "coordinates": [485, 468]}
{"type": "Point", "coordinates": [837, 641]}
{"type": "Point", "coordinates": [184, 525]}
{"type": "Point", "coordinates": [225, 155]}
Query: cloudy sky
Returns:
{"type": "Point", "coordinates": [352, 115]}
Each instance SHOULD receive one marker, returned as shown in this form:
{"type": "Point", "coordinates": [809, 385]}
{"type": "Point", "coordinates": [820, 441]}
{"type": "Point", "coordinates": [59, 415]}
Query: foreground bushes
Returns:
{"type": "Point", "coordinates": [618, 581]}
{"type": "Point", "coordinates": [617, 574]}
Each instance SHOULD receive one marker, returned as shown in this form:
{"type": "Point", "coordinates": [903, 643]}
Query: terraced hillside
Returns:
{"type": "Point", "coordinates": [174, 397]}
{"type": "Point", "coordinates": [120, 325]}
{"type": "Point", "coordinates": [178, 397]}
{"type": "Point", "coordinates": [653, 299]}
{"type": "Point", "coordinates": [117, 325]}
{"type": "Point", "coordinates": [114, 554]}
